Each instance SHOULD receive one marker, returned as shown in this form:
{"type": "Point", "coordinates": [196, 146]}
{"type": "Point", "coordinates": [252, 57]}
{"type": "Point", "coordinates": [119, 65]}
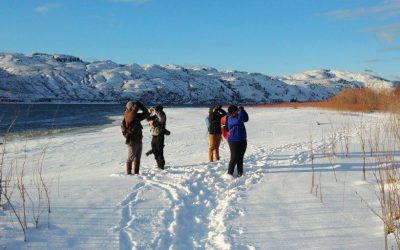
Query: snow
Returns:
{"type": "Point", "coordinates": [193, 204]}
{"type": "Point", "coordinates": [64, 78]}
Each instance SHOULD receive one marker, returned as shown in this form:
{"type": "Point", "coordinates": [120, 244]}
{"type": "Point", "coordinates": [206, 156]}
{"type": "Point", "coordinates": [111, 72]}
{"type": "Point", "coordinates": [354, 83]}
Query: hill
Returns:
{"type": "Point", "coordinates": [63, 78]}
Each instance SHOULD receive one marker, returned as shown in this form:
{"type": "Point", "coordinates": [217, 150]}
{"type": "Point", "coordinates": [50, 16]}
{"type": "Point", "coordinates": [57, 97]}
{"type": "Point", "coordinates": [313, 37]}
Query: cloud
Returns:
{"type": "Point", "coordinates": [131, 1]}
{"type": "Point", "coordinates": [384, 10]}
{"type": "Point", "coordinates": [380, 60]}
{"type": "Point", "coordinates": [386, 33]}
{"type": "Point", "coordinates": [389, 33]}
{"type": "Point", "coordinates": [372, 61]}
{"type": "Point", "coordinates": [46, 7]}
{"type": "Point", "coordinates": [371, 72]}
{"type": "Point", "coordinates": [395, 77]}
{"type": "Point", "coordinates": [392, 48]}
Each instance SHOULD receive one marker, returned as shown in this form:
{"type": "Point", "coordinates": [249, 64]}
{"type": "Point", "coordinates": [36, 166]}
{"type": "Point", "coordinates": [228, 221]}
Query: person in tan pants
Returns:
{"type": "Point", "coordinates": [213, 152]}
{"type": "Point", "coordinates": [214, 130]}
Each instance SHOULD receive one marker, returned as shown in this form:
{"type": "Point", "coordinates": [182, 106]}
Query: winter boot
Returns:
{"type": "Point", "coordinates": [129, 168]}
{"type": "Point", "coordinates": [160, 163]}
{"type": "Point", "coordinates": [136, 166]}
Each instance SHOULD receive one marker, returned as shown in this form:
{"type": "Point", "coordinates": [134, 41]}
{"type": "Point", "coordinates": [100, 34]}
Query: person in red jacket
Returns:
{"type": "Point", "coordinates": [132, 130]}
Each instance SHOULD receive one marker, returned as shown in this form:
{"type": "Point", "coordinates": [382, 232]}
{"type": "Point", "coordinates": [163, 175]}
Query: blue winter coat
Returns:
{"type": "Point", "coordinates": [237, 130]}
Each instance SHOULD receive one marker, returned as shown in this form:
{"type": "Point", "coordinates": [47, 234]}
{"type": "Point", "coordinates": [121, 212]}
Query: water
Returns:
{"type": "Point", "coordinates": [54, 118]}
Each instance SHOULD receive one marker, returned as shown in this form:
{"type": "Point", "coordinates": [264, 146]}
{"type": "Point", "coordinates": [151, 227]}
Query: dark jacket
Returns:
{"type": "Point", "coordinates": [131, 126]}
{"type": "Point", "coordinates": [237, 130]}
{"type": "Point", "coordinates": [214, 118]}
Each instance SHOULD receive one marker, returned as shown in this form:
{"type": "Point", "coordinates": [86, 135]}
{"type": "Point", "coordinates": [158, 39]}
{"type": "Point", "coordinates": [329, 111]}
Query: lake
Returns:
{"type": "Point", "coordinates": [45, 118]}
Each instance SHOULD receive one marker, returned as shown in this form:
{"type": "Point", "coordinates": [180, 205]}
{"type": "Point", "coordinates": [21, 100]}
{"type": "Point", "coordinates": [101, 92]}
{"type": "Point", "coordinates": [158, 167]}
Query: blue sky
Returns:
{"type": "Point", "coordinates": [267, 36]}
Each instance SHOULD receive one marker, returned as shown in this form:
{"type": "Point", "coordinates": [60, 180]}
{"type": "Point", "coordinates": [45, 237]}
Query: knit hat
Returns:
{"type": "Point", "coordinates": [159, 108]}
{"type": "Point", "coordinates": [129, 105]}
{"type": "Point", "coordinates": [232, 109]}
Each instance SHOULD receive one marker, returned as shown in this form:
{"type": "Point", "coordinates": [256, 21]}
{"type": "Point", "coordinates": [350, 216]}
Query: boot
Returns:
{"type": "Point", "coordinates": [129, 168]}
{"type": "Point", "coordinates": [136, 166]}
{"type": "Point", "coordinates": [160, 165]}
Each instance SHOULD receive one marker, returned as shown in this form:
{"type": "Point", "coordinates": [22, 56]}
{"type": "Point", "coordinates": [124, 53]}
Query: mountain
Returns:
{"type": "Point", "coordinates": [63, 78]}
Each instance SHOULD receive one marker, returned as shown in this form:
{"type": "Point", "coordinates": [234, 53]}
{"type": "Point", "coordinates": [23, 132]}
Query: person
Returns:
{"type": "Point", "coordinates": [132, 130]}
{"type": "Point", "coordinates": [157, 121]}
{"type": "Point", "coordinates": [214, 130]}
{"type": "Point", "coordinates": [237, 138]}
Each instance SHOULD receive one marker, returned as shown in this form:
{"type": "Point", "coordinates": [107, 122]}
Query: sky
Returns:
{"type": "Point", "coordinates": [267, 36]}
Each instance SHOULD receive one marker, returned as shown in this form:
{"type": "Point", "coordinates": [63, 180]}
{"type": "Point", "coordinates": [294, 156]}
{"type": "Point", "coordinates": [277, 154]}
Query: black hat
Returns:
{"type": "Point", "coordinates": [159, 108]}
{"type": "Point", "coordinates": [232, 109]}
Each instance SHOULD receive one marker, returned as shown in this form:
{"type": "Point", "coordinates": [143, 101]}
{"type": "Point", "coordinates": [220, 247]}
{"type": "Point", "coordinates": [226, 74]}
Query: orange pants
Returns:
{"type": "Point", "coordinates": [215, 141]}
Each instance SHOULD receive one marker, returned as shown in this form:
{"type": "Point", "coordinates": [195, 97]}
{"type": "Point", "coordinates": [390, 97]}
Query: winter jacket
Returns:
{"type": "Point", "coordinates": [131, 127]}
{"type": "Point", "coordinates": [215, 121]}
{"type": "Point", "coordinates": [159, 120]}
{"type": "Point", "coordinates": [237, 130]}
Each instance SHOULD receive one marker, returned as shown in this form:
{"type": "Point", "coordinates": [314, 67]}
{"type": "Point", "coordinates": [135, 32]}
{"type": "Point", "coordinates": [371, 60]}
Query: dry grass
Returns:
{"type": "Point", "coordinates": [358, 100]}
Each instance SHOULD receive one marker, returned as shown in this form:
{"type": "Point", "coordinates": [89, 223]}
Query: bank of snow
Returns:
{"type": "Point", "coordinates": [194, 204]}
{"type": "Point", "coordinates": [62, 78]}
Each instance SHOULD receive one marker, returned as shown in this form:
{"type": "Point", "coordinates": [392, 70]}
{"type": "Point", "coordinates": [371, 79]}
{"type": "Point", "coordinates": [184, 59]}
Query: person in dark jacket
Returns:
{"type": "Point", "coordinates": [214, 130]}
{"type": "Point", "coordinates": [237, 138]}
{"type": "Point", "coordinates": [157, 121]}
{"type": "Point", "coordinates": [132, 130]}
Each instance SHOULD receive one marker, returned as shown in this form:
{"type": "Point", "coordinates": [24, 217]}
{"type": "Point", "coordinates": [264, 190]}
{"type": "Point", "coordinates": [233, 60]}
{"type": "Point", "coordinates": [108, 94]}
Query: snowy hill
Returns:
{"type": "Point", "coordinates": [63, 78]}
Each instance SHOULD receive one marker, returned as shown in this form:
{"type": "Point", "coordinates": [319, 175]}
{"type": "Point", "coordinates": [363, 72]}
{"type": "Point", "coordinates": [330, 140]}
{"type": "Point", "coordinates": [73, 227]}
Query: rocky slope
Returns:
{"type": "Point", "coordinates": [62, 78]}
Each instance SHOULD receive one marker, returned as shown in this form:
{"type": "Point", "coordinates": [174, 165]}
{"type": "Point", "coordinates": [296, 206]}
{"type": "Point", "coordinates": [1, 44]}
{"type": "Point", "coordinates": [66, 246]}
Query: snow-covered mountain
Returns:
{"type": "Point", "coordinates": [63, 78]}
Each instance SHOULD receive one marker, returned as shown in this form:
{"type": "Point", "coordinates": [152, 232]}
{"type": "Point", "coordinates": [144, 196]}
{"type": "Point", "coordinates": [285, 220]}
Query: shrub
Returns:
{"type": "Point", "coordinates": [359, 100]}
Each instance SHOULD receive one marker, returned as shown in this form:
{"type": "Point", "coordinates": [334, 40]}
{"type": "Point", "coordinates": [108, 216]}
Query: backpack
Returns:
{"type": "Point", "coordinates": [224, 127]}
{"type": "Point", "coordinates": [129, 131]}
{"type": "Point", "coordinates": [207, 120]}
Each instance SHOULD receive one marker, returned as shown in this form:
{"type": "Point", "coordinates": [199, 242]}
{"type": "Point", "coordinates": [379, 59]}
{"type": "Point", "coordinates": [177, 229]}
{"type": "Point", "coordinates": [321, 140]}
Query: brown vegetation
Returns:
{"type": "Point", "coordinates": [359, 100]}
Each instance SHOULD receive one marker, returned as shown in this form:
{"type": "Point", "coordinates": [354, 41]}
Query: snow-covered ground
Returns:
{"type": "Point", "coordinates": [194, 204]}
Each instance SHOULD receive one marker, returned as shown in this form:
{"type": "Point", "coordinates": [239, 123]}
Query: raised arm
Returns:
{"type": "Point", "coordinates": [221, 112]}
{"type": "Point", "coordinates": [161, 118]}
{"type": "Point", "coordinates": [145, 112]}
{"type": "Point", "coordinates": [243, 116]}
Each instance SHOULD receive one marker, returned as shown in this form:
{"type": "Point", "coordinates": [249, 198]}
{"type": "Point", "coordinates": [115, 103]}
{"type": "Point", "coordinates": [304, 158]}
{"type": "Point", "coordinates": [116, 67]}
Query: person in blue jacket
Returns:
{"type": "Point", "coordinates": [237, 138]}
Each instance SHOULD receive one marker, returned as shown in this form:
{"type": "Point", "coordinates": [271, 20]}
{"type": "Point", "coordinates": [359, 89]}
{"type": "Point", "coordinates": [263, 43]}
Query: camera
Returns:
{"type": "Point", "coordinates": [152, 118]}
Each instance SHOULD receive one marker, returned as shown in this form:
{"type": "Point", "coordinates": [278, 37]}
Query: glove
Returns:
{"type": "Point", "coordinates": [139, 104]}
